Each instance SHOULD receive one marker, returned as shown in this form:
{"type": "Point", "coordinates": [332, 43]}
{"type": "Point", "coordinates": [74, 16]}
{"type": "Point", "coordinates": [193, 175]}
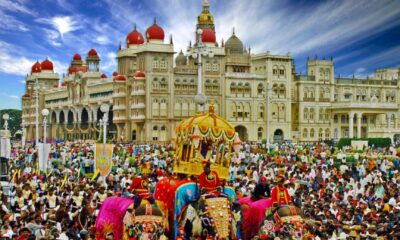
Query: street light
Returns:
{"type": "Point", "coordinates": [23, 133]}
{"type": "Point", "coordinates": [6, 117]}
{"type": "Point", "coordinates": [198, 51]}
{"type": "Point", "coordinates": [37, 112]}
{"type": "Point", "coordinates": [267, 103]}
{"type": "Point", "coordinates": [45, 113]}
{"type": "Point", "coordinates": [104, 108]}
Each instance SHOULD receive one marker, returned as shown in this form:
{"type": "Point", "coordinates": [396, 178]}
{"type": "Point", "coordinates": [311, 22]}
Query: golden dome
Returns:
{"type": "Point", "coordinates": [209, 125]}
{"type": "Point", "coordinates": [205, 17]}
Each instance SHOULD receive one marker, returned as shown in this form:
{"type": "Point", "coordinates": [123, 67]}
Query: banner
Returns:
{"type": "Point", "coordinates": [5, 148]}
{"type": "Point", "coordinates": [43, 155]}
{"type": "Point", "coordinates": [103, 158]}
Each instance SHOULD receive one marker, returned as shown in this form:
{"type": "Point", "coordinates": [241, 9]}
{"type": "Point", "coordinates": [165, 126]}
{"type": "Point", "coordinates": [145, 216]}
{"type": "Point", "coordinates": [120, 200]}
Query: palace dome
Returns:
{"type": "Point", "coordinates": [103, 75]}
{"type": "Point", "coordinates": [134, 37]}
{"type": "Point", "coordinates": [120, 78]}
{"type": "Point", "coordinates": [208, 35]}
{"type": "Point", "coordinates": [37, 67]}
{"type": "Point", "coordinates": [47, 65]}
{"type": "Point", "coordinates": [139, 74]}
{"type": "Point", "coordinates": [181, 59]}
{"type": "Point", "coordinates": [92, 52]}
{"type": "Point", "coordinates": [155, 32]}
{"type": "Point", "coordinates": [63, 84]}
{"type": "Point", "coordinates": [77, 57]}
{"type": "Point", "coordinates": [234, 45]}
{"type": "Point", "coordinates": [115, 74]}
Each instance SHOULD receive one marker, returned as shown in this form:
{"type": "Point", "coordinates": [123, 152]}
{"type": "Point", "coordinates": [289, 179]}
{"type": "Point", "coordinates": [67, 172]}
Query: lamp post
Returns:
{"type": "Point", "coordinates": [45, 113]}
{"type": "Point", "coordinates": [37, 111]}
{"type": "Point", "coordinates": [6, 117]}
{"type": "Point", "coordinates": [198, 51]}
{"type": "Point", "coordinates": [104, 108]}
{"type": "Point", "coordinates": [267, 106]}
{"type": "Point", "coordinates": [23, 138]}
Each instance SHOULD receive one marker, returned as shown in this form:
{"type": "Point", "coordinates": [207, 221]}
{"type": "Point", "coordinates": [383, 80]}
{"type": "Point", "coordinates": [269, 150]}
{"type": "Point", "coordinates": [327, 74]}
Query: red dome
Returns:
{"type": "Point", "coordinates": [76, 69]}
{"type": "Point", "coordinates": [155, 32]}
{"type": "Point", "coordinates": [77, 57]}
{"type": "Point", "coordinates": [47, 65]}
{"type": "Point", "coordinates": [115, 74]}
{"type": "Point", "coordinates": [120, 78]}
{"type": "Point", "coordinates": [55, 85]}
{"type": "Point", "coordinates": [36, 68]}
{"type": "Point", "coordinates": [208, 35]}
{"type": "Point", "coordinates": [139, 74]}
{"type": "Point", "coordinates": [27, 95]}
{"type": "Point", "coordinates": [92, 52]}
{"type": "Point", "coordinates": [63, 84]}
{"type": "Point", "coordinates": [103, 75]}
{"type": "Point", "coordinates": [134, 37]}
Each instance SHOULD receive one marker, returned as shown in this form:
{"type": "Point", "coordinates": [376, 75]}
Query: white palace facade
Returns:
{"type": "Point", "coordinates": [151, 92]}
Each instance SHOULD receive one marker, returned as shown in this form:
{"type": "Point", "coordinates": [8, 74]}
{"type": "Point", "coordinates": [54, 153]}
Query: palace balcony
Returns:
{"type": "Point", "coordinates": [138, 106]}
{"type": "Point", "coordinates": [140, 92]}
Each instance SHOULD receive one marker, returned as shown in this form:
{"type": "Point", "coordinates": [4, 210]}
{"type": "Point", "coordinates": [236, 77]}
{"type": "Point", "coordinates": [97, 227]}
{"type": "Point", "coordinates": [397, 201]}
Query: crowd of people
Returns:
{"type": "Point", "coordinates": [340, 199]}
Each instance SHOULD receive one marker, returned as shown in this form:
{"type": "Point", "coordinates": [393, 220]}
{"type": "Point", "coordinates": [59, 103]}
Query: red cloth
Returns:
{"type": "Point", "coordinates": [137, 184]}
{"type": "Point", "coordinates": [254, 215]}
{"type": "Point", "coordinates": [280, 195]}
{"type": "Point", "coordinates": [209, 185]}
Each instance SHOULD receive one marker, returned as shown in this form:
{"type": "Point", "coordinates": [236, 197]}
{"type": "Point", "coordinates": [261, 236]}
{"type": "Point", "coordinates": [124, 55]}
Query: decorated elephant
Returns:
{"type": "Point", "coordinates": [210, 217]}
{"type": "Point", "coordinates": [284, 222]}
{"type": "Point", "coordinates": [119, 218]}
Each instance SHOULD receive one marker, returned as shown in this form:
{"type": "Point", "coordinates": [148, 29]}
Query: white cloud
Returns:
{"type": "Point", "coordinates": [13, 96]}
{"type": "Point", "coordinates": [103, 40]}
{"type": "Point", "coordinates": [12, 62]}
{"type": "Point", "coordinates": [110, 62]}
{"type": "Point", "coordinates": [16, 6]}
{"type": "Point", "coordinates": [22, 82]}
{"type": "Point", "coordinates": [10, 23]}
{"type": "Point", "coordinates": [62, 24]}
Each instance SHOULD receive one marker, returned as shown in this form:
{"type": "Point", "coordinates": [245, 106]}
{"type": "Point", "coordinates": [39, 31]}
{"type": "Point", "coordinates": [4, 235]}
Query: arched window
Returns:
{"type": "Point", "coordinates": [155, 133]}
{"type": "Point", "coordinates": [311, 93]}
{"type": "Point", "coordinates": [327, 133]}
{"type": "Point", "coordinates": [247, 89]}
{"type": "Point", "coordinates": [275, 89]}
{"type": "Point", "coordinates": [321, 93]}
{"type": "Point", "coordinates": [312, 133]}
{"type": "Point", "coordinates": [335, 118]}
{"type": "Point", "coordinates": [312, 114]}
{"type": "Point", "coordinates": [275, 70]}
{"type": "Point", "coordinates": [321, 114]}
{"type": "Point", "coordinates": [306, 116]}
{"type": "Point", "coordinates": [233, 88]}
{"type": "Point", "coordinates": [282, 71]}
{"type": "Point", "coordinates": [320, 133]}
{"type": "Point", "coordinates": [305, 133]}
{"type": "Point", "coordinates": [260, 89]}
{"type": "Point", "coordinates": [156, 107]}
{"type": "Point", "coordinates": [282, 91]}
{"type": "Point", "coordinates": [261, 112]}
{"type": "Point", "coordinates": [305, 92]}
{"type": "Point", "coordinates": [259, 133]}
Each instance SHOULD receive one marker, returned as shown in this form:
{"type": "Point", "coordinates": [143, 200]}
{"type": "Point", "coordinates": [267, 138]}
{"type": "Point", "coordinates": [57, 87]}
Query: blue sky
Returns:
{"type": "Point", "coordinates": [360, 35]}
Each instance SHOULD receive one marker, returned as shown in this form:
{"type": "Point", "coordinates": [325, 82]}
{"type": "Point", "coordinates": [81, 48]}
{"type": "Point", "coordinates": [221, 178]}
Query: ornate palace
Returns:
{"type": "Point", "coordinates": [151, 92]}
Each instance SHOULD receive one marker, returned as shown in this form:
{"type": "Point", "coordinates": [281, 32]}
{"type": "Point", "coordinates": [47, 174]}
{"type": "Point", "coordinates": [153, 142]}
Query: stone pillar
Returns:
{"type": "Point", "coordinates": [388, 120]}
{"type": "Point", "coordinates": [351, 119]}
{"type": "Point", "coordinates": [396, 121]}
{"type": "Point", "coordinates": [359, 117]}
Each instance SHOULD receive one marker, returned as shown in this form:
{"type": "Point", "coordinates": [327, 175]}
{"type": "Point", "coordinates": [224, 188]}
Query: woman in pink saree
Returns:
{"type": "Point", "coordinates": [254, 208]}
